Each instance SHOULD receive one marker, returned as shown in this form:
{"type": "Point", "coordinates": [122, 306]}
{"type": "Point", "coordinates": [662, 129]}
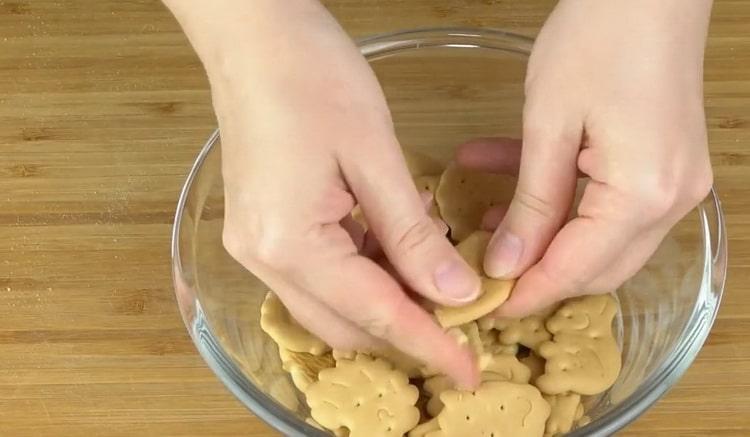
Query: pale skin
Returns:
{"type": "Point", "coordinates": [613, 91]}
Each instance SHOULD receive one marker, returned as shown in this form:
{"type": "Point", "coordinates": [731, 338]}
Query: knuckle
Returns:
{"type": "Point", "coordinates": [380, 322]}
{"type": "Point", "coordinates": [414, 236]}
{"type": "Point", "coordinates": [255, 243]}
{"type": "Point", "coordinates": [535, 204]}
{"type": "Point", "coordinates": [699, 187]}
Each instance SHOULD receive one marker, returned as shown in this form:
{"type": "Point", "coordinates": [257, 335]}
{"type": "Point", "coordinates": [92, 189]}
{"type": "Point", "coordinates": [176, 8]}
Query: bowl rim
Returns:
{"type": "Point", "coordinates": [691, 339]}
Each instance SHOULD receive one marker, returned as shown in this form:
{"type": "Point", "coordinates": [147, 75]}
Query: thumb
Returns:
{"type": "Point", "coordinates": [419, 251]}
{"type": "Point", "coordinates": [546, 185]}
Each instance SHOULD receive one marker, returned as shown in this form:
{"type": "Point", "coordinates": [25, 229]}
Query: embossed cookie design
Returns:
{"type": "Point", "coordinates": [494, 409]}
{"type": "Point", "coordinates": [583, 356]}
{"type": "Point", "coordinates": [367, 396]}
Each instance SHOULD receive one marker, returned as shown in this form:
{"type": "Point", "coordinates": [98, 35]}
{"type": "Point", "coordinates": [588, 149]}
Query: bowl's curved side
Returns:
{"type": "Point", "coordinates": [691, 339]}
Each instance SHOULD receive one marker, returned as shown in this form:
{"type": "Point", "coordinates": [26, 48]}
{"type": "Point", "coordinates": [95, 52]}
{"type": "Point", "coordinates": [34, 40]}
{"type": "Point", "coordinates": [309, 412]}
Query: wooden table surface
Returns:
{"type": "Point", "coordinates": [103, 107]}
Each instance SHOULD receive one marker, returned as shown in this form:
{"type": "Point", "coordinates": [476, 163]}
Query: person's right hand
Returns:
{"type": "Point", "coordinates": [306, 134]}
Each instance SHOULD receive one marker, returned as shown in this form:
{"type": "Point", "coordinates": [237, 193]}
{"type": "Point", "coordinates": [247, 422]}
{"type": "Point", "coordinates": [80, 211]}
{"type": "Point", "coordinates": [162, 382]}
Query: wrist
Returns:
{"type": "Point", "coordinates": [234, 34]}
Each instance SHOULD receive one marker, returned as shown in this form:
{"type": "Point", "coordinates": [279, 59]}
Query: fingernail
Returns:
{"type": "Point", "coordinates": [457, 281]}
{"type": "Point", "coordinates": [503, 255]}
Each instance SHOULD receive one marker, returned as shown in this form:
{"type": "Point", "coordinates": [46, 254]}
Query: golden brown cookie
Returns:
{"type": "Point", "coordinates": [303, 367]}
{"type": "Point", "coordinates": [276, 321]}
{"type": "Point", "coordinates": [425, 428]}
{"type": "Point", "coordinates": [435, 386]}
{"type": "Point", "coordinates": [535, 363]}
{"type": "Point", "coordinates": [504, 368]}
{"type": "Point", "coordinates": [583, 356]}
{"type": "Point", "coordinates": [421, 164]}
{"type": "Point", "coordinates": [588, 315]}
{"type": "Point", "coordinates": [365, 395]}
{"type": "Point", "coordinates": [564, 408]}
{"type": "Point", "coordinates": [494, 409]}
{"type": "Point", "coordinates": [493, 367]}
{"type": "Point", "coordinates": [340, 432]}
{"type": "Point", "coordinates": [465, 195]}
{"type": "Point", "coordinates": [494, 291]}
{"type": "Point", "coordinates": [528, 331]}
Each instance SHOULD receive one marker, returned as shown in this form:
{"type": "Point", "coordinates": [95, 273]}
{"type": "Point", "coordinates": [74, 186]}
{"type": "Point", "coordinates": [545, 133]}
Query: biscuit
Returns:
{"type": "Point", "coordinates": [465, 195]}
{"type": "Point", "coordinates": [276, 321]}
{"type": "Point", "coordinates": [425, 428]}
{"type": "Point", "coordinates": [494, 291]}
{"type": "Point", "coordinates": [529, 331]}
{"type": "Point", "coordinates": [303, 367]}
{"type": "Point", "coordinates": [535, 363]}
{"type": "Point", "coordinates": [365, 395]}
{"type": "Point", "coordinates": [504, 368]}
{"type": "Point", "coordinates": [493, 368]}
{"type": "Point", "coordinates": [496, 408]}
{"type": "Point", "coordinates": [564, 408]}
{"type": "Point", "coordinates": [583, 356]}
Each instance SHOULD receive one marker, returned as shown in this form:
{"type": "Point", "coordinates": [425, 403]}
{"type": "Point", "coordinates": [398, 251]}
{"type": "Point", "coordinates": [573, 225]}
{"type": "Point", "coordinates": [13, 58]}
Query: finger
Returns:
{"type": "Point", "coordinates": [492, 218]}
{"type": "Point", "coordinates": [545, 189]}
{"type": "Point", "coordinates": [345, 281]}
{"type": "Point", "coordinates": [584, 250]}
{"type": "Point", "coordinates": [424, 257]}
{"type": "Point", "coordinates": [329, 326]}
{"type": "Point", "coordinates": [496, 155]}
{"type": "Point", "coordinates": [355, 230]}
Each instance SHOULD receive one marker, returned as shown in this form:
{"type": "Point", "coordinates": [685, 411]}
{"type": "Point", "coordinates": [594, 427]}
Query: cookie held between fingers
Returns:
{"type": "Point", "coordinates": [367, 396]}
{"type": "Point", "coordinates": [276, 321]}
{"type": "Point", "coordinates": [494, 291]}
{"type": "Point", "coordinates": [464, 195]}
{"type": "Point", "coordinates": [495, 408]}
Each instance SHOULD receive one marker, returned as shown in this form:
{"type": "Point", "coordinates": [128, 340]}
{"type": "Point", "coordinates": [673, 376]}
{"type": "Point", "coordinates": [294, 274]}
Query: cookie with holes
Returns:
{"type": "Point", "coordinates": [583, 356]}
{"type": "Point", "coordinates": [365, 395]}
{"type": "Point", "coordinates": [465, 195]}
{"type": "Point", "coordinates": [495, 409]}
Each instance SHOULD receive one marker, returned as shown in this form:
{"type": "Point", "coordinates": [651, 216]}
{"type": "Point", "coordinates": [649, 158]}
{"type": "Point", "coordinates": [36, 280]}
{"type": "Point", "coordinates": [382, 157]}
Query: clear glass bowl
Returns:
{"type": "Point", "coordinates": [444, 86]}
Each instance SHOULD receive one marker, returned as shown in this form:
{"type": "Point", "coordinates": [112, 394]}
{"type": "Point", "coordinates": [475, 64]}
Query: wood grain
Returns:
{"type": "Point", "coordinates": [103, 106]}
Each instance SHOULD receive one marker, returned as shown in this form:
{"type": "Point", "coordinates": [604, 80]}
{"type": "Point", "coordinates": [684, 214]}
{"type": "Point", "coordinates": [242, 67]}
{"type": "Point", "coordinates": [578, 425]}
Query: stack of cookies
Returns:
{"type": "Point", "coordinates": [535, 371]}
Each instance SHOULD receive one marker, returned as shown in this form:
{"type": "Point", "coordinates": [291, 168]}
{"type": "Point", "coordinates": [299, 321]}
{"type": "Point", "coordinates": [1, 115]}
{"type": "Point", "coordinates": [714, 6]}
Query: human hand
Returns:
{"type": "Point", "coordinates": [613, 90]}
{"type": "Point", "coordinates": [305, 131]}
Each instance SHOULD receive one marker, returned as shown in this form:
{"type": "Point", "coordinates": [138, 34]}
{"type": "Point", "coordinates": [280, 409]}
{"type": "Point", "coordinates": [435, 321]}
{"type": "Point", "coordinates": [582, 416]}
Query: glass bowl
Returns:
{"type": "Point", "coordinates": [444, 86]}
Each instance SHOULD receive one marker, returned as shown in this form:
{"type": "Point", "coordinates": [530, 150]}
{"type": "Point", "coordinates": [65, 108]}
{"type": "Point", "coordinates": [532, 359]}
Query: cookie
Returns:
{"type": "Point", "coordinates": [535, 363]}
{"type": "Point", "coordinates": [494, 409]}
{"type": "Point", "coordinates": [425, 428]}
{"type": "Point", "coordinates": [504, 368]}
{"type": "Point", "coordinates": [493, 367]}
{"type": "Point", "coordinates": [421, 164]}
{"type": "Point", "coordinates": [365, 395]}
{"type": "Point", "coordinates": [529, 331]}
{"type": "Point", "coordinates": [303, 367]}
{"type": "Point", "coordinates": [494, 291]}
{"type": "Point", "coordinates": [563, 411]}
{"type": "Point", "coordinates": [340, 432]}
{"type": "Point", "coordinates": [276, 321]}
{"type": "Point", "coordinates": [588, 315]}
{"type": "Point", "coordinates": [464, 195]}
{"type": "Point", "coordinates": [435, 386]}
{"type": "Point", "coordinates": [429, 184]}
{"type": "Point", "coordinates": [583, 356]}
